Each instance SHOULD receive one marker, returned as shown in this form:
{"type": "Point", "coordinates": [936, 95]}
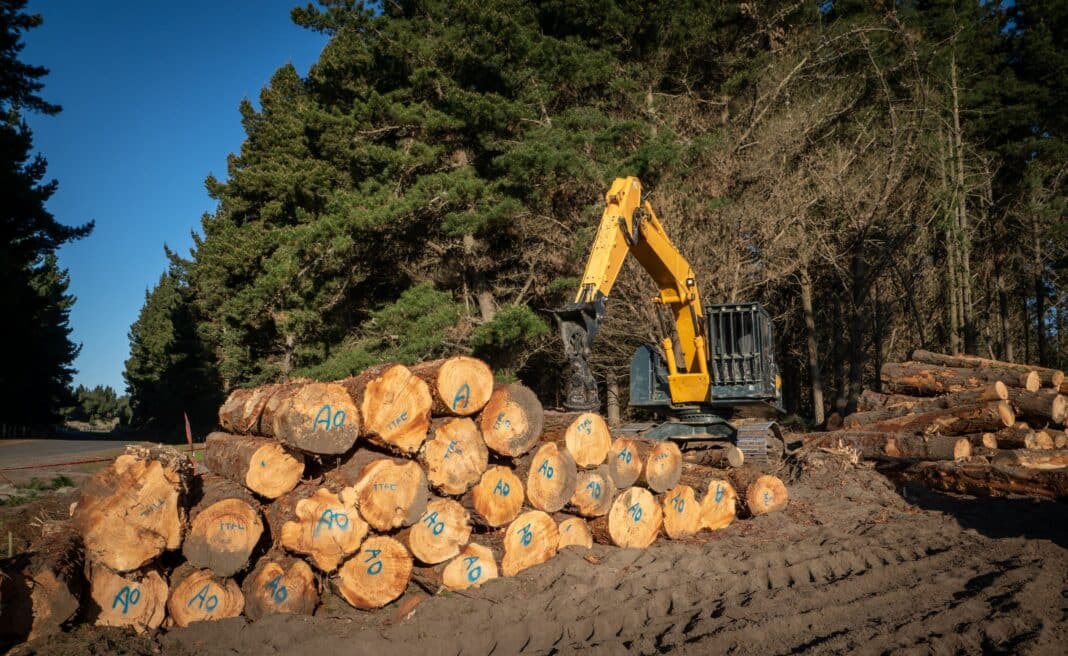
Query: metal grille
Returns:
{"type": "Point", "coordinates": [738, 337]}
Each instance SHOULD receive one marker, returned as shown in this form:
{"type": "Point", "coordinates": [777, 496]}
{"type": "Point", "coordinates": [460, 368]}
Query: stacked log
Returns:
{"type": "Point", "coordinates": [962, 423]}
{"type": "Point", "coordinates": [425, 475]}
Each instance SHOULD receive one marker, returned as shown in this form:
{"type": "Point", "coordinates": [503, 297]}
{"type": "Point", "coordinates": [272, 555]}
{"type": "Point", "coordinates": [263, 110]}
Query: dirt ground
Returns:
{"type": "Point", "coordinates": [853, 565]}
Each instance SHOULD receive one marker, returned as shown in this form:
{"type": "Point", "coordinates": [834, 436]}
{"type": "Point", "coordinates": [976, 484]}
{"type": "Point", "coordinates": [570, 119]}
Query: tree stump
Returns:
{"type": "Point", "coordinates": [497, 498]}
{"type": "Point", "coordinates": [439, 534]}
{"type": "Point", "coordinates": [322, 525]}
{"type": "Point", "coordinates": [225, 526]}
{"type": "Point", "coordinates": [394, 405]}
{"type": "Point", "coordinates": [682, 513]}
{"type": "Point", "coordinates": [460, 385]}
{"type": "Point", "coordinates": [474, 566]}
{"type": "Point", "coordinates": [262, 465]}
{"type": "Point", "coordinates": [512, 420]}
{"type": "Point", "coordinates": [531, 539]}
{"type": "Point", "coordinates": [134, 599]}
{"type": "Point", "coordinates": [575, 532]}
{"type": "Point", "coordinates": [313, 417]}
{"type": "Point", "coordinates": [550, 476]}
{"type": "Point", "coordinates": [719, 506]}
{"type": "Point", "coordinates": [133, 510]}
{"type": "Point", "coordinates": [624, 462]}
{"type": "Point", "coordinates": [663, 466]}
{"type": "Point", "coordinates": [41, 589]}
{"type": "Point", "coordinates": [390, 493]}
{"type": "Point", "coordinates": [375, 576]}
{"type": "Point", "coordinates": [594, 492]}
{"type": "Point", "coordinates": [635, 519]}
{"type": "Point", "coordinates": [763, 493]}
{"type": "Point", "coordinates": [199, 594]}
{"type": "Point", "coordinates": [280, 584]}
{"type": "Point", "coordinates": [588, 440]}
{"type": "Point", "coordinates": [241, 411]}
{"type": "Point", "coordinates": [455, 456]}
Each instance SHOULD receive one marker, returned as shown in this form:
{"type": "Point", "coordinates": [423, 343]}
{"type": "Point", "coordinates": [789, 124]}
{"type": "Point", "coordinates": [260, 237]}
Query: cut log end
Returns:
{"type": "Point", "coordinates": [375, 576]}
{"type": "Point", "coordinates": [719, 507]}
{"type": "Point", "coordinates": [391, 493]}
{"type": "Point", "coordinates": [624, 463]}
{"type": "Point", "coordinates": [470, 569]}
{"type": "Point", "coordinates": [137, 600]}
{"type": "Point", "coordinates": [455, 456]}
{"type": "Point", "coordinates": [594, 492]}
{"type": "Point", "coordinates": [635, 519]}
{"type": "Point", "coordinates": [551, 478]}
{"type": "Point", "coordinates": [663, 467]}
{"type": "Point", "coordinates": [531, 539]}
{"type": "Point", "coordinates": [461, 385]}
{"type": "Point", "coordinates": [395, 406]}
{"type": "Point", "coordinates": [327, 528]}
{"type": "Point", "coordinates": [201, 595]}
{"type": "Point", "coordinates": [962, 449]}
{"type": "Point", "coordinates": [682, 513]}
{"type": "Point", "coordinates": [440, 533]}
{"type": "Point", "coordinates": [765, 495]}
{"type": "Point", "coordinates": [223, 536]}
{"type": "Point", "coordinates": [280, 584]}
{"type": "Point", "coordinates": [498, 496]}
{"type": "Point", "coordinates": [261, 465]}
{"type": "Point", "coordinates": [575, 532]}
{"type": "Point", "coordinates": [588, 439]}
{"type": "Point", "coordinates": [512, 420]}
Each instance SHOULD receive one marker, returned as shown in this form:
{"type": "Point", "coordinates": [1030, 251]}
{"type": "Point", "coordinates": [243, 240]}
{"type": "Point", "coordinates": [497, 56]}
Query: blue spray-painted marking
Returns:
{"type": "Point", "coordinates": [527, 535]}
{"type": "Point", "coordinates": [231, 526]}
{"type": "Point", "coordinates": [328, 418]}
{"type": "Point", "coordinates": [451, 449]}
{"type": "Point", "coordinates": [385, 486]}
{"type": "Point", "coordinates": [127, 597]}
{"type": "Point", "coordinates": [280, 592]}
{"type": "Point", "coordinates": [502, 488]}
{"type": "Point", "coordinates": [625, 456]}
{"type": "Point", "coordinates": [678, 502]}
{"type": "Point", "coordinates": [635, 512]}
{"type": "Point", "coordinates": [585, 427]}
{"type": "Point", "coordinates": [767, 498]}
{"type": "Point", "coordinates": [398, 420]}
{"type": "Point", "coordinates": [501, 422]}
{"type": "Point", "coordinates": [462, 394]}
{"type": "Point", "coordinates": [595, 489]}
{"type": "Point", "coordinates": [431, 520]}
{"type": "Point", "coordinates": [474, 572]}
{"type": "Point", "coordinates": [719, 493]}
{"type": "Point", "coordinates": [206, 602]}
{"type": "Point", "coordinates": [546, 469]}
{"type": "Point", "coordinates": [375, 567]}
{"type": "Point", "coordinates": [330, 519]}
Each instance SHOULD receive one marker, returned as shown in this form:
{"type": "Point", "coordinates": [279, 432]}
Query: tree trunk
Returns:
{"type": "Point", "coordinates": [261, 465]}
{"type": "Point", "coordinates": [813, 354]}
{"type": "Point", "coordinates": [135, 599]}
{"type": "Point", "coordinates": [933, 447]}
{"type": "Point", "coordinates": [197, 595]}
{"type": "Point", "coordinates": [394, 406]}
{"type": "Point", "coordinates": [511, 423]}
{"type": "Point", "coordinates": [550, 476]}
{"type": "Point", "coordinates": [531, 539]}
{"type": "Point", "coordinates": [280, 584]}
{"type": "Point", "coordinates": [313, 417]}
{"type": "Point", "coordinates": [960, 420]}
{"type": "Point", "coordinates": [1048, 377]}
{"type": "Point", "coordinates": [904, 405]}
{"type": "Point", "coordinates": [918, 379]}
{"type": "Point", "coordinates": [1039, 408]}
{"type": "Point", "coordinates": [225, 526]}
{"type": "Point", "coordinates": [241, 411]}
{"type": "Point", "coordinates": [497, 498]}
{"type": "Point", "coordinates": [594, 492]}
{"type": "Point", "coordinates": [612, 403]}
{"type": "Point", "coordinates": [988, 480]}
{"type": "Point", "coordinates": [455, 456]}
{"type": "Point", "coordinates": [682, 513]}
{"type": "Point", "coordinates": [588, 440]}
{"type": "Point", "coordinates": [377, 575]}
{"type": "Point", "coordinates": [963, 227]}
{"type": "Point", "coordinates": [460, 385]}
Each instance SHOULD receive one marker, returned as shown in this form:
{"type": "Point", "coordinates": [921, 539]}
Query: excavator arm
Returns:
{"type": "Point", "coordinates": [630, 226]}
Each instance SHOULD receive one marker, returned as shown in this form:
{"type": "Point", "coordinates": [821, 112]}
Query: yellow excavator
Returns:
{"type": "Point", "coordinates": [714, 378]}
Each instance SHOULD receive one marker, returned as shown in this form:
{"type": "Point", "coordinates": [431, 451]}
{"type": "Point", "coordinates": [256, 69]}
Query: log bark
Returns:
{"type": "Point", "coordinates": [470, 569]}
{"type": "Point", "coordinates": [133, 510]}
{"type": "Point", "coordinates": [318, 523]}
{"type": "Point", "coordinates": [316, 418]}
{"type": "Point", "coordinates": [975, 418]}
{"type": "Point", "coordinates": [663, 465]}
{"type": "Point", "coordinates": [980, 479]}
{"type": "Point", "coordinates": [682, 512]}
{"type": "Point", "coordinates": [932, 447]}
{"type": "Point", "coordinates": [919, 379]}
{"type": "Point", "coordinates": [440, 533]}
{"type": "Point", "coordinates": [241, 411]}
{"type": "Point", "coordinates": [460, 385]}
{"type": "Point", "coordinates": [898, 406]}
{"type": "Point", "coordinates": [394, 406]}
{"type": "Point", "coordinates": [512, 420]}
{"type": "Point", "coordinates": [280, 584]}
{"type": "Point", "coordinates": [624, 462]}
{"type": "Point", "coordinates": [719, 506]}
{"type": "Point", "coordinates": [455, 456]}
{"type": "Point", "coordinates": [588, 440]}
{"type": "Point", "coordinates": [375, 576]}
{"type": "Point", "coordinates": [531, 539]}
{"type": "Point", "coordinates": [550, 476]}
{"type": "Point", "coordinates": [225, 526]}
{"type": "Point", "coordinates": [761, 493]}
{"type": "Point", "coordinates": [634, 520]}
{"type": "Point", "coordinates": [1048, 377]}
{"type": "Point", "coordinates": [134, 599]}
{"type": "Point", "coordinates": [575, 532]}
{"type": "Point", "coordinates": [594, 492]}
{"type": "Point", "coordinates": [1041, 407]}
{"type": "Point", "coordinates": [497, 498]}
{"type": "Point", "coordinates": [1014, 437]}
{"type": "Point", "coordinates": [391, 493]}
{"type": "Point", "coordinates": [262, 465]}
{"type": "Point", "coordinates": [41, 590]}
{"type": "Point", "coordinates": [198, 595]}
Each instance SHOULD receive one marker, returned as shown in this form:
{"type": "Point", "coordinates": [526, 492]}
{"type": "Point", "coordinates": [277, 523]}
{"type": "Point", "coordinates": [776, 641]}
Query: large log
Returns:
{"type": "Point", "coordinates": [868, 444]}
{"type": "Point", "coordinates": [394, 406]}
{"type": "Point", "coordinates": [682, 513]}
{"type": "Point", "coordinates": [455, 456]}
{"type": "Point", "coordinates": [133, 599]}
{"type": "Point", "coordinates": [594, 492]}
{"type": "Point", "coordinates": [930, 447]}
{"type": "Point", "coordinates": [375, 576]}
{"type": "Point", "coordinates": [470, 569]}
{"type": "Point", "coordinates": [41, 589]}
{"type": "Point", "coordinates": [575, 532]}
{"type": "Point", "coordinates": [1019, 436]}
{"type": "Point", "coordinates": [225, 526]}
{"type": "Point", "coordinates": [550, 476]}
{"type": "Point", "coordinates": [198, 595]}
{"type": "Point", "coordinates": [134, 509]}
{"type": "Point", "coordinates": [531, 539]}
{"type": "Point", "coordinates": [280, 584]}
{"type": "Point", "coordinates": [663, 465]}
{"type": "Point", "coordinates": [512, 420]}
{"type": "Point", "coordinates": [898, 406]}
{"type": "Point", "coordinates": [624, 462]}
{"type": "Point", "coordinates": [919, 379]}
{"type": "Point", "coordinates": [634, 520]}
{"type": "Point", "coordinates": [588, 440]}
{"type": "Point", "coordinates": [313, 417]}
{"type": "Point", "coordinates": [719, 506]}
{"type": "Point", "coordinates": [262, 465]}
{"type": "Point", "coordinates": [975, 418]}
{"type": "Point", "coordinates": [440, 533]}
{"type": "Point", "coordinates": [497, 498]}
{"type": "Point", "coordinates": [761, 493]}
{"type": "Point", "coordinates": [1033, 458]}
{"type": "Point", "coordinates": [1041, 407]}
{"type": "Point", "coordinates": [391, 493]}
{"type": "Point", "coordinates": [980, 479]}
{"type": "Point", "coordinates": [318, 523]}
{"type": "Point", "coordinates": [460, 385]}
{"type": "Point", "coordinates": [241, 411]}
{"type": "Point", "coordinates": [1049, 377]}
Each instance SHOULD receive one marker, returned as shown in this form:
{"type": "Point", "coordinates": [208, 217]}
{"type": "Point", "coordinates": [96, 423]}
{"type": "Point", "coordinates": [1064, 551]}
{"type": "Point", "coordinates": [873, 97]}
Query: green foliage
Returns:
{"type": "Point", "coordinates": [504, 340]}
{"type": "Point", "coordinates": [100, 405]}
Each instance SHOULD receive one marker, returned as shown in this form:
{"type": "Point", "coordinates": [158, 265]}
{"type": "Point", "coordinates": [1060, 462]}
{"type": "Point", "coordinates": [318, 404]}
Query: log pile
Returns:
{"type": "Point", "coordinates": [431, 476]}
{"type": "Point", "coordinates": [963, 423]}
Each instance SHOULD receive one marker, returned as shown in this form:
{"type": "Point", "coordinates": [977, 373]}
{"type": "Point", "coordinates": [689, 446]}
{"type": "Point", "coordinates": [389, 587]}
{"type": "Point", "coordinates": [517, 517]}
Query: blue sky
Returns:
{"type": "Point", "coordinates": [150, 94]}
